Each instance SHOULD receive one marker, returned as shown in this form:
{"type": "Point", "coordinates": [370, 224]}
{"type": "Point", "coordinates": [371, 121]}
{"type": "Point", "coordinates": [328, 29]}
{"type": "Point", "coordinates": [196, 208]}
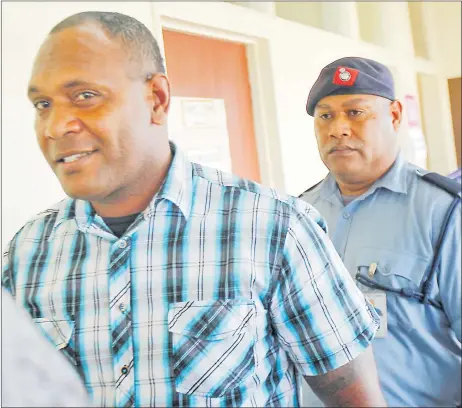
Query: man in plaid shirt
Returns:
{"type": "Point", "coordinates": [164, 282]}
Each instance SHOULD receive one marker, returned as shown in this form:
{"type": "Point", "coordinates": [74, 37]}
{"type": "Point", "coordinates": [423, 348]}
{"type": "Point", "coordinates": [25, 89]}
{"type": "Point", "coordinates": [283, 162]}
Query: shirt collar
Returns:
{"type": "Point", "coordinates": [178, 184]}
{"type": "Point", "coordinates": [394, 180]}
{"type": "Point", "coordinates": [176, 188]}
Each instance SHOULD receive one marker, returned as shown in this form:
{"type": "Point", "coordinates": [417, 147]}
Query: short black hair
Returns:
{"type": "Point", "coordinates": [132, 33]}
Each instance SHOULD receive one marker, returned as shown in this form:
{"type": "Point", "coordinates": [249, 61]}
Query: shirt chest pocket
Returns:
{"type": "Point", "coordinates": [213, 345]}
{"type": "Point", "coordinates": [394, 269]}
{"type": "Point", "coordinates": [59, 333]}
{"type": "Point", "coordinates": [401, 272]}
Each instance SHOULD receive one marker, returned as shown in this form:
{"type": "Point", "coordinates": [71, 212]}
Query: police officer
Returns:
{"type": "Point", "coordinates": [397, 229]}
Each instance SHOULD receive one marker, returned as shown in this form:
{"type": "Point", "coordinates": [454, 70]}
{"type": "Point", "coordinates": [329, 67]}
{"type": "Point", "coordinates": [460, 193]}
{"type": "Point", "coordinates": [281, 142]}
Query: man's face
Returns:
{"type": "Point", "coordinates": [356, 134]}
{"type": "Point", "coordinates": [93, 121]}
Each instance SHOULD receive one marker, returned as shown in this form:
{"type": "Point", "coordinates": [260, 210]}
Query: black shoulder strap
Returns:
{"type": "Point", "coordinates": [311, 188]}
{"type": "Point", "coordinates": [454, 188]}
{"type": "Point", "coordinates": [451, 186]}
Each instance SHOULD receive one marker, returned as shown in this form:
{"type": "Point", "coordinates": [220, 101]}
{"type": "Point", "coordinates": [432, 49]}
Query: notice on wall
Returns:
{"type": "Point", "coordinates": [416, 136]}
{"type": "Point", "coordinates": [198, 126]}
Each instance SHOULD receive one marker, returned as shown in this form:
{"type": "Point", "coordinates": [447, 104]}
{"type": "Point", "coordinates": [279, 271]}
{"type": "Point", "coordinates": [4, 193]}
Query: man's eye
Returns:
{"type": "Point", "coordinates": [82, 96]}
{"type": "Point", "coordinates": [355, 112]}
{"type": "Point", "coordinates": [325, 116]}
{"type": "Point", "coordinates": [41, 105]}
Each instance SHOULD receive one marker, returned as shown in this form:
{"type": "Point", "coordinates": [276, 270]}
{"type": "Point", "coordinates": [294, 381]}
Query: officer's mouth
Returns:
{"type": "Point", "coordinates": [342, 151]}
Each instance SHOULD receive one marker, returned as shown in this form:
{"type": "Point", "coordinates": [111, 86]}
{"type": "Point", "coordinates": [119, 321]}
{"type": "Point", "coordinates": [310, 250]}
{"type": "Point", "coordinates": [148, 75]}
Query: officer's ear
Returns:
{"type": "Point", "coordinates": [396, 111]}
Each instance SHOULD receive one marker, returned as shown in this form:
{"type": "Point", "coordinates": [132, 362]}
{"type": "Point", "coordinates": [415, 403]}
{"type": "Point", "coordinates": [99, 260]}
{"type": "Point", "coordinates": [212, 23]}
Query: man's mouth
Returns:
{"type": "Point", "coordinates": [341, 149]}
{"type": "Point", "coordinates": [74, 157]}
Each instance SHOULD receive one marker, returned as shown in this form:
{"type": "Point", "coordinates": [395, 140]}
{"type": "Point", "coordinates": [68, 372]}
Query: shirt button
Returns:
{"type": "Point", "coordinates": [122, 307]}
{"type": "Point", "coordinates": [346, 215]}
{"type": "Point", "coordinates": [124, 370]}
{"type": "Point", "coordinates": [123, 244]}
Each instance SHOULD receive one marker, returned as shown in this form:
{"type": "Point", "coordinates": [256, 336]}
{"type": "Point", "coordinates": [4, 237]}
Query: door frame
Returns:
{"type": "Point", "coordinates": [261, 88]}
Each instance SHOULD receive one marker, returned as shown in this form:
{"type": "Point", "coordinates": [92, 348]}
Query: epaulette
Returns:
{"type": "Point", "coordinates": [311, 188]}
{"type": "Point", "coordinates": [451, 186]}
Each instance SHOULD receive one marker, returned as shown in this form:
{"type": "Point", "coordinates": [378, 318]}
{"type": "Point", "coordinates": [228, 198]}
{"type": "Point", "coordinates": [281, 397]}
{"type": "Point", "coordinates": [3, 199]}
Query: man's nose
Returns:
{"type": "Point", "coordinates": [340, 126]}
{"type": "Point", "coordinates": [61, 122]}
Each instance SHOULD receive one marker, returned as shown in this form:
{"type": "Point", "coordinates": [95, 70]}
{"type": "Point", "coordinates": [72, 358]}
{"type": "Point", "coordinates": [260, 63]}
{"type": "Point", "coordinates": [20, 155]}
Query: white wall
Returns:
{"type": "Point", "coordinates": [417, 16]}
{"type": "Point", "coordinates": [435, 106]}
{"type": "Point", "coordinates": [289, 56]}
{"type": "Point", "coordinates": [308, 13]}
{"type": "Point", "coordinates": [446, 35]}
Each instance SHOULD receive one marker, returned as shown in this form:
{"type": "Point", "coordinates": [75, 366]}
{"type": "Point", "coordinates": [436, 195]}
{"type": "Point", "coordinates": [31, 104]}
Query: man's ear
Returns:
{"type": "Point", "coordinates": [396, 110]}
{"type": "Point", "coordinates": [159, 93]}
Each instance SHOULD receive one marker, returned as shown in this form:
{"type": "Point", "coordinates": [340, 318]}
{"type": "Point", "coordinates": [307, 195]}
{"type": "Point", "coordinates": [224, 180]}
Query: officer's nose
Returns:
{"type": "Point", "coordinates": [60, 123]}
{"type": "Point", "coordinates": [340, 127]}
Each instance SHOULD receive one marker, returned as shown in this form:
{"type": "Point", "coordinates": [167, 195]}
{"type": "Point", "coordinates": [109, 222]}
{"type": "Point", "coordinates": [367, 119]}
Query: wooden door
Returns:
{"type": "Point", "coordinates": [203, 67]}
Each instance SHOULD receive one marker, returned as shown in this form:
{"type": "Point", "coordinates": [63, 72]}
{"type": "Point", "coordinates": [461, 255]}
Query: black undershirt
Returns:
{"type": "Point", "coordinates": [118, 225]}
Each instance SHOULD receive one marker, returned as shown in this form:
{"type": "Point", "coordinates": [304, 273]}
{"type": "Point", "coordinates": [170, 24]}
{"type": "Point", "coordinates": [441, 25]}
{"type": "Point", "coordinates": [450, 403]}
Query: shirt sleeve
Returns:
{"type": "Point", "coordinates": [320, 317]}
{"type": "Point", "coordinates": [450, 272]}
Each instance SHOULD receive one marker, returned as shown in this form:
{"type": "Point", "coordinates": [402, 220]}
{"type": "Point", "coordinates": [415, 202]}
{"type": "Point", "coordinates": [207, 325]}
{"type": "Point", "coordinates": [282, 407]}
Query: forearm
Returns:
{"type": "Point", "coordinates": [355, 384]}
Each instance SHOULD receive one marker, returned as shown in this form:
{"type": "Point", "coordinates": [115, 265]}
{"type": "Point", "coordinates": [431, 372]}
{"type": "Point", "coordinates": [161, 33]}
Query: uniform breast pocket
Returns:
{"type": "Point", "coordinates": [396, 270]}
{"type": "Point", "coordinates": [213, 345]}
{"type": "Point", "coordinates": [59, 333]}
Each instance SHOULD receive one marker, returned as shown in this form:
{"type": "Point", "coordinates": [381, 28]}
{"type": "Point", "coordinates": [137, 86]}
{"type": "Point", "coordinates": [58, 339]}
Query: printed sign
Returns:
{"type": "Point", "coordinates": [198, 126]}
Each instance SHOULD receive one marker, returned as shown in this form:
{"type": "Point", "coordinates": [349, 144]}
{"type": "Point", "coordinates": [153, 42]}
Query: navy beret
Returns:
{"type": "Point", "coordinates": [350, 76]}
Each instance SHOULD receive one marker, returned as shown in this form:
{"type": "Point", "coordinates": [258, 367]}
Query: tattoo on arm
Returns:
{"type": "Point", "coordinates": [331, 385]}
{"type": "Point", "coordinates": [352, 385]}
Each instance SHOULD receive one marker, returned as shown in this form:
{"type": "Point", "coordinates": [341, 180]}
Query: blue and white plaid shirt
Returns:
{"type": "Point", "coordinates": [231, 291]}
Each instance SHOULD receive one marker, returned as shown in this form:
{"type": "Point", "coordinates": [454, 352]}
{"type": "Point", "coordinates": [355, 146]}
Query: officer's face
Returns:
{"type": "Point", "coordinates": [356, 134]}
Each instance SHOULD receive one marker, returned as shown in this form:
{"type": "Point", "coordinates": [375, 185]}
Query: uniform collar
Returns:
{"type": "Point", "coordinates": [394, 180]}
